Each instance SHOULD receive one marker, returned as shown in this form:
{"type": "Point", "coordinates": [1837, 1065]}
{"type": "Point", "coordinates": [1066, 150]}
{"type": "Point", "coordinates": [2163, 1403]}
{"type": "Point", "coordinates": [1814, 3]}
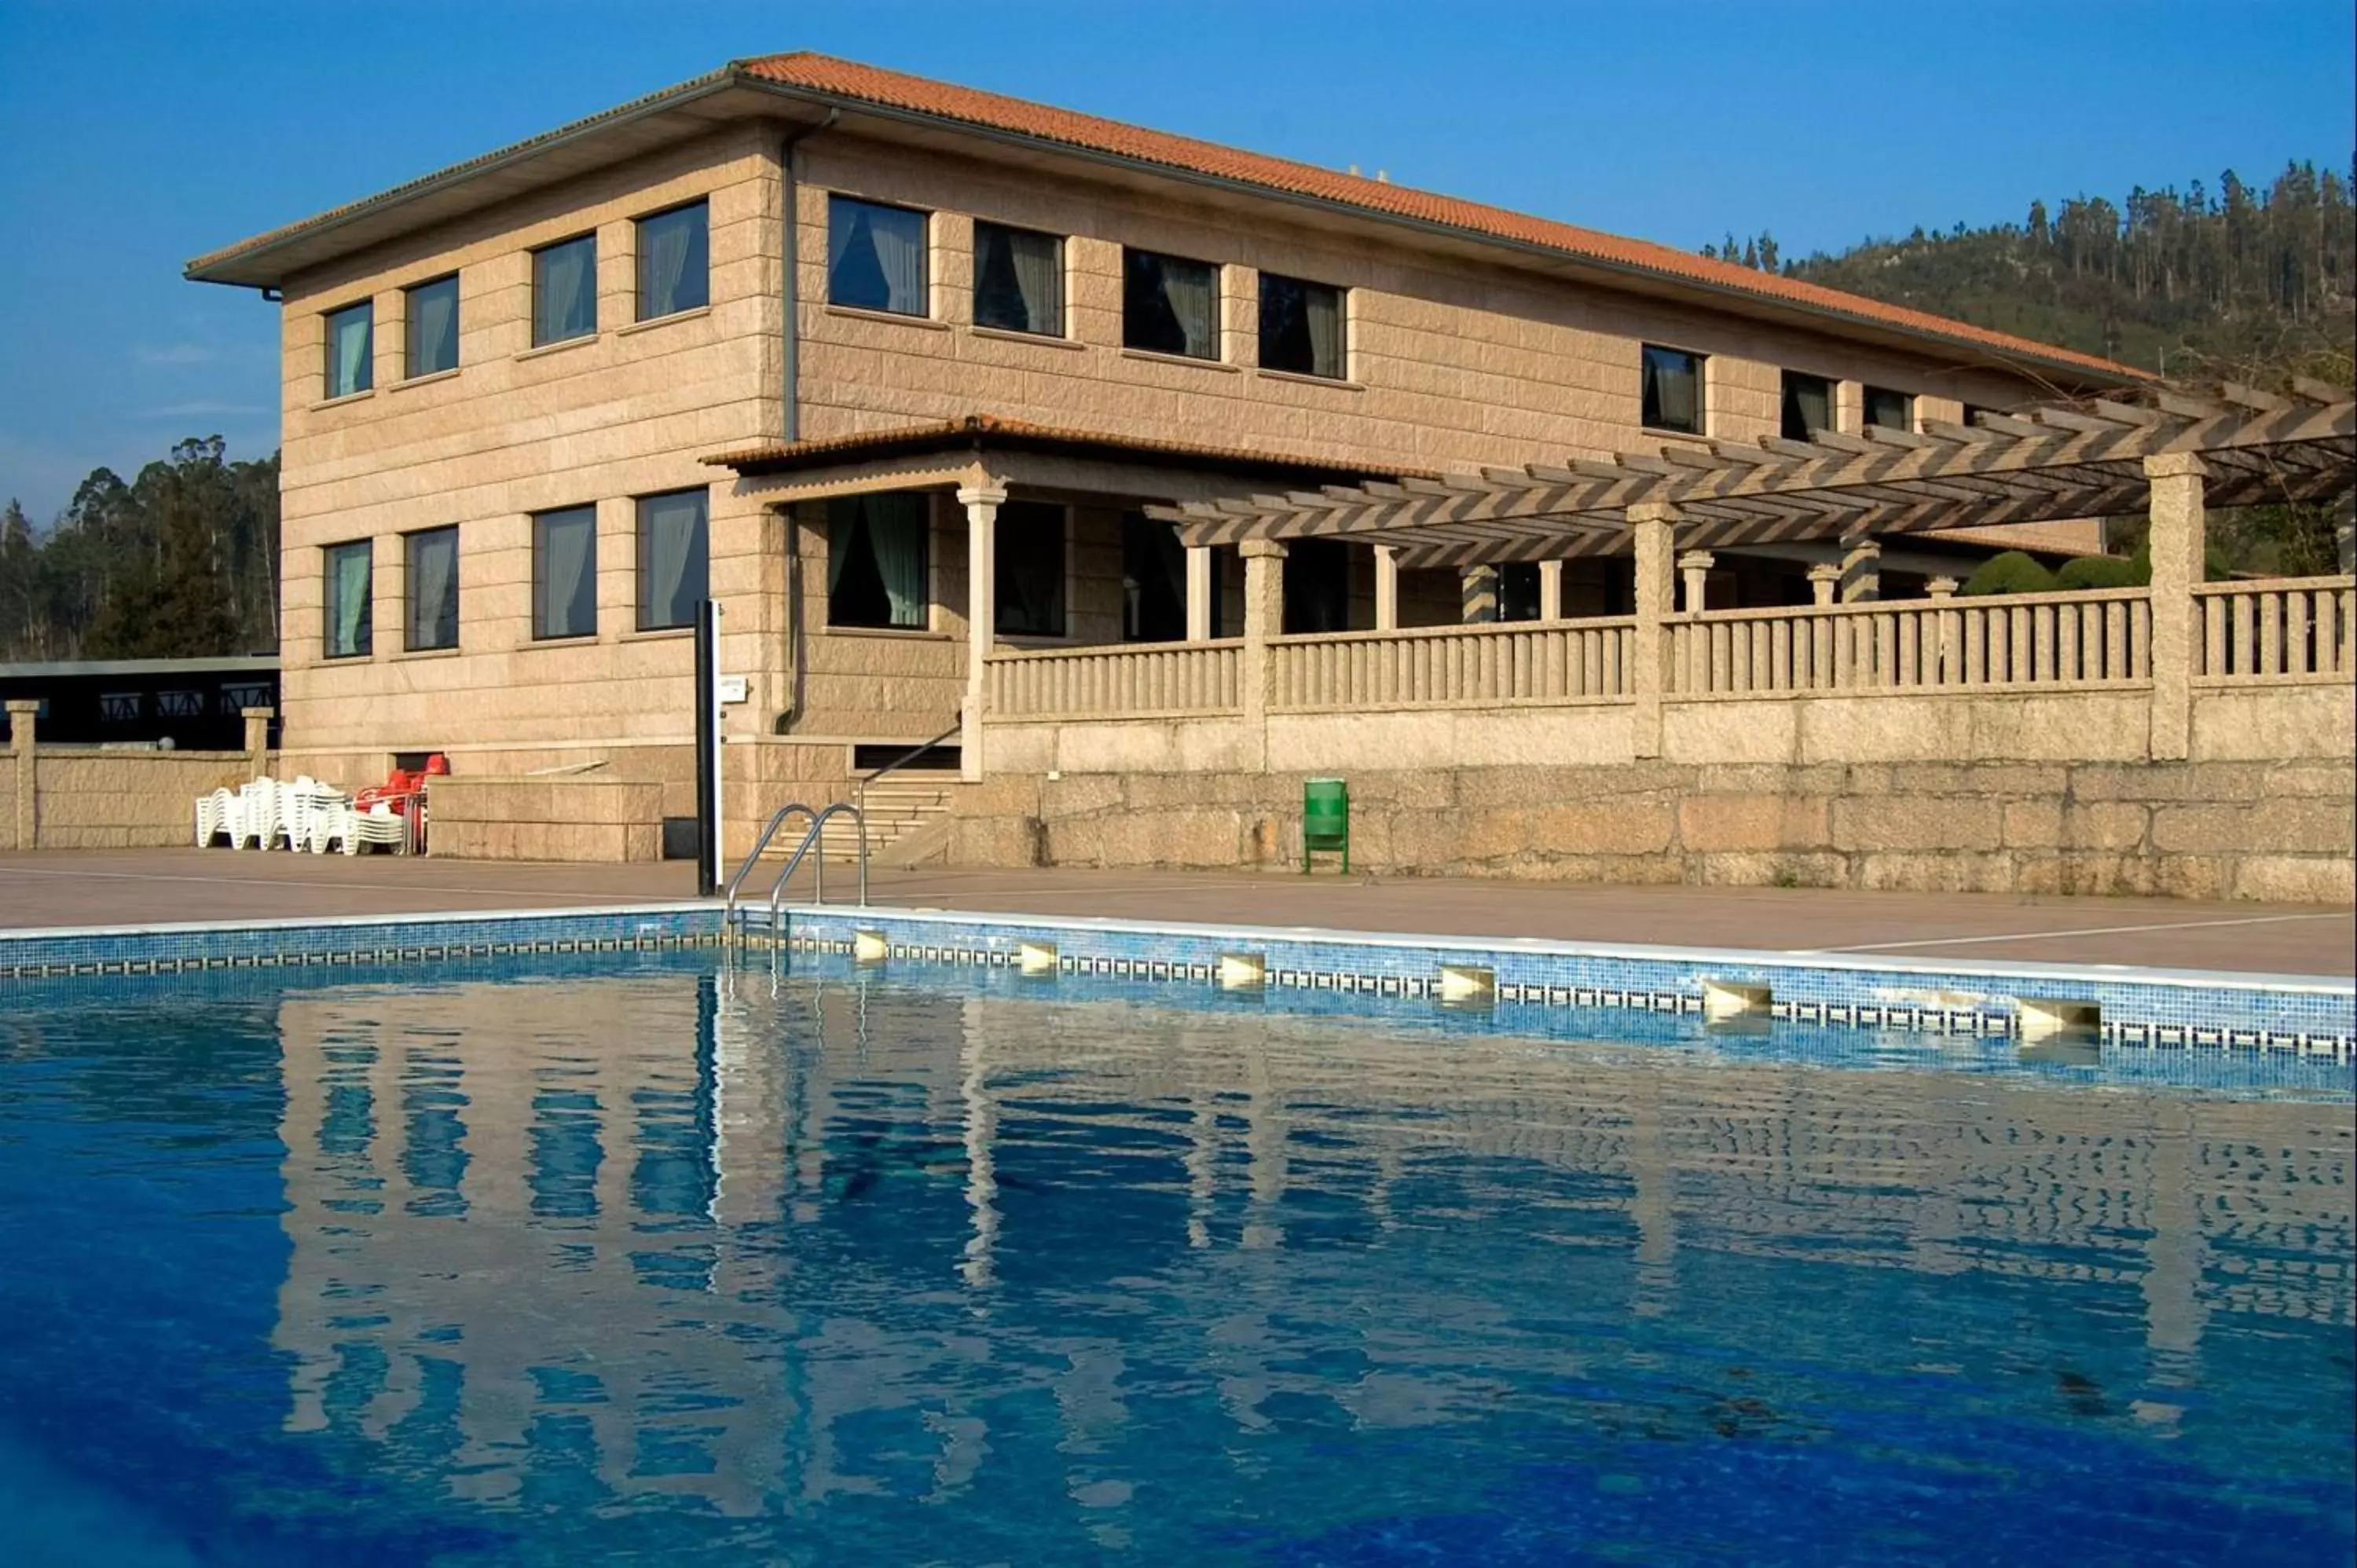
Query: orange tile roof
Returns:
{"type": "Point", "coordinates": [873, 84]}
{"type": "Point", "coordinates": [984, 431]}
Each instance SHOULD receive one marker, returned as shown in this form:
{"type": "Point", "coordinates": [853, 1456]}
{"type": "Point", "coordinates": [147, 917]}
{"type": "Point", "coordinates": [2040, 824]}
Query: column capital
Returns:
{"type": "Point", "coordinates": [979, 495]}
{"type": "Point", "coordinates": [1654, 512]}
{"type": "Point", "coordinates": [1943, 587]}
{"type": "Point", "coordinates": [24, 706]}
{"type": "Point", "coordinates": [1261, 550]}
{"type": "Point", "coordinates": [2175, 465]}
{"type": "Point", "coordinates": [1697, 561]}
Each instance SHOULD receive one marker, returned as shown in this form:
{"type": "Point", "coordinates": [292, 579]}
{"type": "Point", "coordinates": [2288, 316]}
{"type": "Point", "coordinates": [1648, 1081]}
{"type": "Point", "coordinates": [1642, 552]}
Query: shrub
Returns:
{"type": "Point", "coordinates": [2011, 573]}
{"type": "Point", "coordinates": [2087, 572]}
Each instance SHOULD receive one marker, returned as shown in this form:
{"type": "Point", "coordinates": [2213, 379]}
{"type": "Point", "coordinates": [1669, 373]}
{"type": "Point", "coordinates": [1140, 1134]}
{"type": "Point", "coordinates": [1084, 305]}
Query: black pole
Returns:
{"type": "Point", "coordinates": [707, 748]}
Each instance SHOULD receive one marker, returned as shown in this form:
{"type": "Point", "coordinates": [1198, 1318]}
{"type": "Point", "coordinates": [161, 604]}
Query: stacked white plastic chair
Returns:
{"type": "Point", "coordinates": [212, 816]}
{"type": "Point", "coordinates": [254, 815]}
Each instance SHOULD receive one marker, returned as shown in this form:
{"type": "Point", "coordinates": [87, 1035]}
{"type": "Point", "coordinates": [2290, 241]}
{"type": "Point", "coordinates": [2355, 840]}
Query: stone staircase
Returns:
{"type": "Point", "coordinates": [907, 821]}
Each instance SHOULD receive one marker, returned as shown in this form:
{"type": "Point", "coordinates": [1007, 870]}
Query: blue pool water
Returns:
{"type": "Point", "coordinates": [673, 1264]}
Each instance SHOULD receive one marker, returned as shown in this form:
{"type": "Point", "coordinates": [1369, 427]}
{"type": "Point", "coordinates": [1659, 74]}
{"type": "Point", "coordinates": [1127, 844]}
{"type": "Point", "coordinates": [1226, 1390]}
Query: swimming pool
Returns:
{"type": "Point", "coordinates": [572, 1260]}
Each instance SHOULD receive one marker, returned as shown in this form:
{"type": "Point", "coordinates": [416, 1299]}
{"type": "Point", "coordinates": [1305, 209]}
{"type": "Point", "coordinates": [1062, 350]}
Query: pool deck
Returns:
{"type": "Point", "coordinates": [148, 887]}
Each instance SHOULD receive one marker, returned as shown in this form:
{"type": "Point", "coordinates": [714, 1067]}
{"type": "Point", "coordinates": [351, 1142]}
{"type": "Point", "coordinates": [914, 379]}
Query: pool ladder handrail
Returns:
{"type": "Point", "coordinates": [811, 838]}
{"type": "Point", "coordinates": [777, 820]}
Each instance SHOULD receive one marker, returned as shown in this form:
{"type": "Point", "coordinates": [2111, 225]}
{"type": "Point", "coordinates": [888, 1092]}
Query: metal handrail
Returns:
{"type": "Point", "coordinates": [810, 840]}
{"type": "Point", "coordinates": [729, 905]}
{"type": "Point", "coordinates": [859, 791]}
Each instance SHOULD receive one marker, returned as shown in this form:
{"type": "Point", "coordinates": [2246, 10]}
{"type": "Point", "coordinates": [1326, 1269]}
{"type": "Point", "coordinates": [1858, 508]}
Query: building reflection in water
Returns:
{"type": "Point", "coordinates": [599, 1238]}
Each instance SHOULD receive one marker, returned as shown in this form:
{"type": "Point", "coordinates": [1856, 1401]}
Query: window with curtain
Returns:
{"type": "Point", "coordinates": [432, 313]}
{"type": "Point", "coordinates": [1153, 581]}
{"type": "Point", "coordinates": [1169, 305]}
{"type": "Point", "coordinates": [876, 257]}
{"type": "Point", "coordinates": [674, 261]}
{"type": "Point", "coordinates": [673, 558]}
{"type": "Point", "coordinates": [1030, 554]}
{"type": "Point", "coordinates": [1672, 390]}
{"type": "Point", "coordinates": [1300, 327]}
{"type": "Point", "coordinates": [430, 576]}
{"type": "Point", "coordinates": [1891, 410]}
{"type": "Point", "coordinates": [1018, 280]}
{"type": "Point", "coordinates": [1808, 405]}
{"type": "Point", "coordinates": [877, 560]}
{"type": "Point", "coordinates": [351, 346]}
{"type": "Point", "coordinates": [564, 573]}
{"type": "Point", "coordinates": [350, 618]}
{"type": "Point", "coordinates": [564, 291]}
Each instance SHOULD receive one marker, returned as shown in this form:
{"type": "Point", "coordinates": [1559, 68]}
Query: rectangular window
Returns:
{"type": "Point", "coordinates": [876, 257]}
{"type": "Point", "coordinates": [1891, 410]}
{"type": "Point", "coordinates": [1300, 327]}
{"type": "Point", "coordinates": [1018, 280]}
{"type": "Point", "coordinates": [1030, 546]}
{"type": "Point", "coordinates": [1672, 391]}
{"type": "Point", "coordinates": [1808, 405]}
{"type": "Point", "coordinates": [430, 578]}
{"type": "Point", "coordinates": [352, 349]}
{"type": "Point", "coordinates": [432, 313]}
{"type": "Point", "coordinates": [564, 291]}
{"type": "Point", "coordinates": [1153, 581]}
{"type": "Point", "coordinates": [1317, 586]}
{"type": "Point", "coordinates": [1169, 305]}
{"type": "Point", "coordinates": [674, 561]}
{"type": "Point", "coordinates": [564, 573]}
{"type": "Point", "coordinates": [674, 261]}
{"type": "Point", "coordinates": [877, 559]}
{"type": "Point", "coordinates": [1518, 591]}
{"type": "Point", "coordinates": [350, 618]}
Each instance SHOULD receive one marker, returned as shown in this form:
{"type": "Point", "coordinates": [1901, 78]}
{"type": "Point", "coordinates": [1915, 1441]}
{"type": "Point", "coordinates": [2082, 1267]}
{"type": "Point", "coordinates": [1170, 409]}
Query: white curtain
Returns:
{"type": "Point", "coordinates": [1676, 385]}
{"type": "Point", "coordinates": [1193, 293]}
{"type": "Point", "coordinates": [434, 328]}
{"type": "Point", "coordinates": [1323, 307]}
{"type": "Point", "coordinates": [434, 589]}
{"type": "Point", "coordinates": [564, 303]}
{"type": "Point", "coordinates": [673, 560]}
{"type": "Point", "coordinates": [896, 533]}
{"type": "Point", "coordinates": [351, 351]}
{"type": "Point", "coordinates": [669, 241]}
{"type": "Point", "coordinates": [1039, 278]}
{"type": "Point", "coordinates": [568, 573]}
{"type": "Point", "coordinates": [350, 611]}
{"type": "Point", "coordinates": [900, 240]}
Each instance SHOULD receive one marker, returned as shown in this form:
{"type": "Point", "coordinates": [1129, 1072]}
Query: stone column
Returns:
{"type": "Point", "coordinates": [1694, 567]}
{"type": "Point", "coordinates": [1263, 622]}
{"type": "Point", "coordinates": [1649, 528]}
{"type": "Point", "coordinates": [1478, 586]}
{"type": "Point", "coordinates": [1861, 571]}
{"type": "Point", "coordinates": [1950, 646]}
{"type": "Point", "coordinates": [2179, 537]}
{"type": "Point", "coordinates": [1823, 578]}
{"type": "Point", "coordinates": [1386, 588]}
{"type": "Point", "coordinates": [257, 737]}
{"type": "Point", "coordinates": [24, 742]}
{"type": "Point", "coordinates": [1550, 590]}
{"type": "Point", "coordinates": [981, 607]}
{"type": "Point", "coordinates": [1201, 585]}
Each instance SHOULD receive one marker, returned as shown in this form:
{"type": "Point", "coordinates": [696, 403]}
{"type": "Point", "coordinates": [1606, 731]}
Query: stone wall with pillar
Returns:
{"type": "Point", "coordinates": [980, 504]}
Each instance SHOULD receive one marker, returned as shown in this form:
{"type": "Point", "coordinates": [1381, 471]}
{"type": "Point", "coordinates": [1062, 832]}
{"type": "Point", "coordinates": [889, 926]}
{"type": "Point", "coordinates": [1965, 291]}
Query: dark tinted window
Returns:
{"type": "Point", "coordinates": [1808, 405]}
{"type": "Point", "coordinates": [1672, 390]}
{"type": "Point", "coordinates": [876, 257]}
{"type": "Point", "coordinates": [564, 291]}
{"type": "Point", "coordinates": [431, 579]}
{"type": "Point", "coordinates": [1891, 410]}
{"type": "Point", "coordinates": [432, 312]}
{"type": "Point", "coordinates": [675, 262]}
{"type": "Point", "coordinates": [1301, 326]}
{"type": "Point", "coordinates": [1018, 280]}
{"type": "Point", "coordinates": [1169, 305]}
{"type": "Point", "coordinates": [564, 573]}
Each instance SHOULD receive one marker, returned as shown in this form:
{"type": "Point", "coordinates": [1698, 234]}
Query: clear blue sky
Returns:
{"type": "Point", "coordinates": [140, 135]}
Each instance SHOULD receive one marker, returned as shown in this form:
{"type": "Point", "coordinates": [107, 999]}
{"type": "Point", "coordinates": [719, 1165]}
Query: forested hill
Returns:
{"type": "Point", "coordinates": [2243, 278]}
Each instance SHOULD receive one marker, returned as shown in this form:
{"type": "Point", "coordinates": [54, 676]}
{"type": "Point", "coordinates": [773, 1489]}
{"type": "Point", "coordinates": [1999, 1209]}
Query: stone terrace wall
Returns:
{"type": "Point", "coordinates": [117, 800]}
{"type": "Point", "coordinates": [2193, 829]}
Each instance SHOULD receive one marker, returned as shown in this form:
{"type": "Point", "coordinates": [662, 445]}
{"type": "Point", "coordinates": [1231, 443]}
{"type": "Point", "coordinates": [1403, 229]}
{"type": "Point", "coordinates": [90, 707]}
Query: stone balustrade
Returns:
{"type": "Point", "coordinates": [1454, 666]}
{"type": "Point", "coordinates": [2284, 628]}
{"type": "Point", "coordinates": [2098, 638]}
{"type": "Point", "coordinates": [1131, 681]}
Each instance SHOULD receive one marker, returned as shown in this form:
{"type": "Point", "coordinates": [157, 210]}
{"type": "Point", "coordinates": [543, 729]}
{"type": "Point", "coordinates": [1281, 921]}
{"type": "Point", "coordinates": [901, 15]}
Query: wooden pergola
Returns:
{"type": "Point", "coordinates": [2064, 461]}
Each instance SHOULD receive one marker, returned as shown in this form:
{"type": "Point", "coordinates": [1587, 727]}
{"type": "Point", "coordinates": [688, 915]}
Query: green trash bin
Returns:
{"type": "Point", "coordinates": [1325, 821]}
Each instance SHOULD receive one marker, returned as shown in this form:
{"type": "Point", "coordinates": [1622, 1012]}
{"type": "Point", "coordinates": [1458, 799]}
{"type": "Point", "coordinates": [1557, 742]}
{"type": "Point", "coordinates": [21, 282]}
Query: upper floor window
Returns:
{"type": "Point", "coordinates": [350, 618]}
{"type": "Point", "coordinates": [675, 261]}
{"type": "Point", "coordinates": [875, 256]}
{"type": "Point", "coordinates": [1030, 568]}
{"type": "Point", "coordinates": [430, 576]}
{"type": "Point", "coordinates": [1300, 327]}
{"type": "Point", "coordinates": [1018, 280]}
{"type": "Point", "coordinates": [1169, 305]}
{"type": "Point", "coordinates": [1672, 391]}
{"type": "Point", "coordinates": [1891, 410]}
{"type": "Point", "coordinates": [876, 561]}
{"type": "Point", "coordinates": [351, 346]}
{"type": "Point", "coordinates": [674, 558]}
{"type": "Point", "coordinates": [433, 318]}
{"type": "Point", "coordinates": [1808, 405]}
{"type": "Point", "coordinates": [564, 291]}
{"type": "Point", "coordinates": [564, 573]}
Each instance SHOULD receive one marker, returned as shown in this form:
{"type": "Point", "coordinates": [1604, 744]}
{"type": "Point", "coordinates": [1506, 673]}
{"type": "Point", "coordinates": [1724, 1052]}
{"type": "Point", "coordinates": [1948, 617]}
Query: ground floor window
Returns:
{"type": "Point", "coordinates": [1518, 591]}
{"type": "Point", "coordinates": [1030, 574]}
{"type": "Point", "coordinates": [1317, 586]}
{"type": "Point", "coordinates": [877, 560]}
{"type": "Point", "coordinates": [1153, 581]}
{"type": "Point", "coordinates": [430, 578]}
{"type": "Point", "coordinates": [350, 629]}
{"type": "Point", "coordinates": [674, 561]}
{"type": "Point", "coordinates": [564, 573]}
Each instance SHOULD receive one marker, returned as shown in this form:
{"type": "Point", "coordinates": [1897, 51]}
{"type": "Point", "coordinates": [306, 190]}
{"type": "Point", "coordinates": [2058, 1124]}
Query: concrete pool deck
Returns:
{"type": "Point", "coordinates": [140, 887]}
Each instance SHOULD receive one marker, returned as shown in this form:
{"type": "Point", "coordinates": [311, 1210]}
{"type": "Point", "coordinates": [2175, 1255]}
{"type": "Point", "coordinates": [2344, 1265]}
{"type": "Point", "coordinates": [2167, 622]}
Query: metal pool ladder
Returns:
{"type": "Point", "coordinates": [733, 921]}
